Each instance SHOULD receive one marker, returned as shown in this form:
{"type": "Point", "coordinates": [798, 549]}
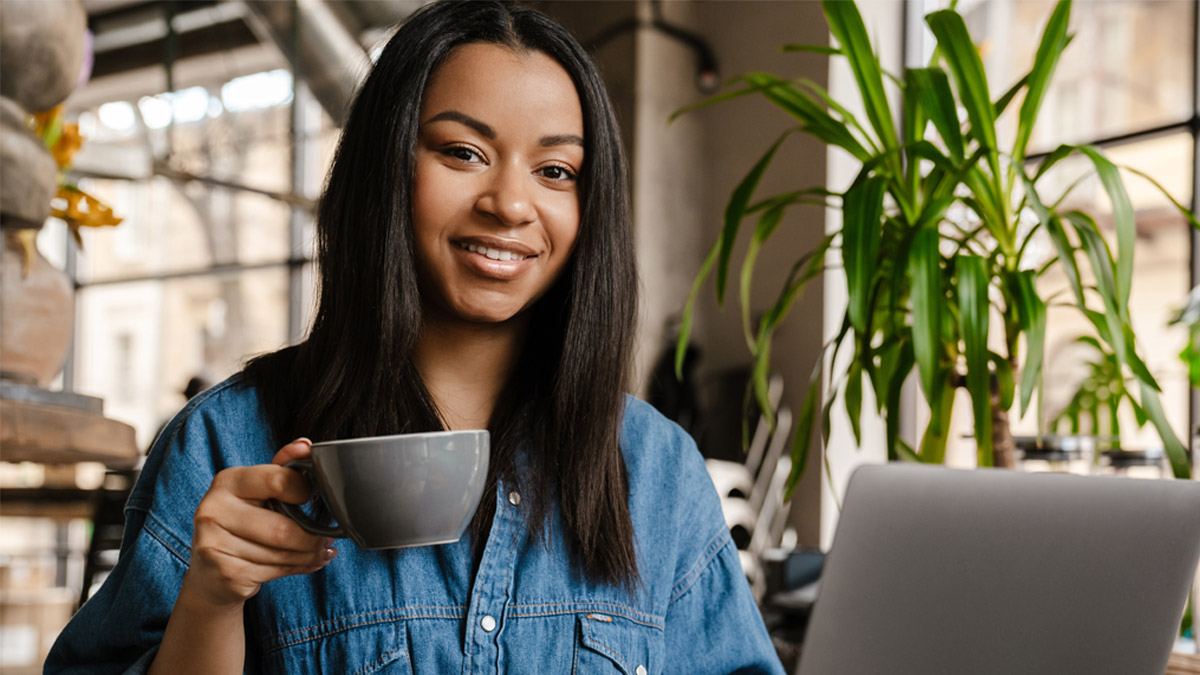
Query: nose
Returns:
{"type": "Point", "coordinates": [507, 197]}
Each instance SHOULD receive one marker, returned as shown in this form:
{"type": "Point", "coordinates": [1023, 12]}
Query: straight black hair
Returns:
{"type": "Point", "coordinates": [354, 375]}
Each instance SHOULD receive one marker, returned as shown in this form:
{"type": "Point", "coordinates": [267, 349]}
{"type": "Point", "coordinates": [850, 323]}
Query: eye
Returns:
{"type": "Point", "coordinates": [557, 172]}
{"type": "Point", "coordinates": [462, 153]}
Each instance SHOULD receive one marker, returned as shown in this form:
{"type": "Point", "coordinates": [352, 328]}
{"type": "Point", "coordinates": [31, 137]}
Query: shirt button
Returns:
{"type": "Point", "coordinates": [488, 623]}
{"type": "Point", "coordinates": [641, 670]}
{"type": "Point", "coordinates": [514, 498]}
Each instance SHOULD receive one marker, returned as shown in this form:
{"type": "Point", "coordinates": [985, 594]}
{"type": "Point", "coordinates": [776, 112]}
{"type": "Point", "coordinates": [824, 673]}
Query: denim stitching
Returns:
{"type": "Point", "coordinates": [575, 656]}
{"type": "Point", "coordinates": [561, 612]}
{"type": "Point", "coordinates": [591, 641]}
{"type": "Point", "coordinates": [360, 615]}
{"type": "Point", "coordinates": [710, 551]}
{"type": "Point", "coordinates": [573, 606]}
{"type": "Point", "coordinates": [381, 660]}
{"type": "Point", "coordinates": [343, 629]}
{"type": "Point", "coordinates": [160, 533]}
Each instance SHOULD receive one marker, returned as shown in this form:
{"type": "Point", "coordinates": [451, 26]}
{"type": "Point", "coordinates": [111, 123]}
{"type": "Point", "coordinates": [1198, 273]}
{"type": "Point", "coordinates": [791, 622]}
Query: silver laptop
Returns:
{"type": "Point", "coordinates": [936, 570]}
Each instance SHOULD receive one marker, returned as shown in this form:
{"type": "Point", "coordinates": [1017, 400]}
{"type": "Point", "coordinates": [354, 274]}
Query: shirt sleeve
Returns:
{"type": "Point", "coordinates": [118, 629]}
{"type": "Point", "coordinates": [712, 623]}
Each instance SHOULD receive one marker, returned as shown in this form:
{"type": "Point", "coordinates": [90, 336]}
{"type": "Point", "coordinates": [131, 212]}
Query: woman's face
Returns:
{"type": "Point", "coordinates": [495, 196]}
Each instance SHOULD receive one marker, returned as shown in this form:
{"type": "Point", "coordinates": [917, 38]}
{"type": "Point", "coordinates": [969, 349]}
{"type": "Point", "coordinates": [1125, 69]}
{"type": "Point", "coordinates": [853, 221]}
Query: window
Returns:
{"type": "Point", "coordinates": [200, 275]}
{"type": "Point", "coordinates": [1126, 83]}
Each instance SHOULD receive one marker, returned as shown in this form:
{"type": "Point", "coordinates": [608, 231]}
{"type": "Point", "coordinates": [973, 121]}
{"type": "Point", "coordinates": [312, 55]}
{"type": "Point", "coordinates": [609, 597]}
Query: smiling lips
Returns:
{"type": "Point", "coordinates": [494, 259]}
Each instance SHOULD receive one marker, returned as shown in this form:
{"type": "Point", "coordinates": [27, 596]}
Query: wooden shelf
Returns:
{"type": "Point", "coordinates": [49, 434]}
{"type": "Point", "coordinates": [1183, 664]}
{"type": "Point", "coordinates": [53, 503]}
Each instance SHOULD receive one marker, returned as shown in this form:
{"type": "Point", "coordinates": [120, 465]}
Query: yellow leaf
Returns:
{"type": "Point", "coordinates": [45, 119]}
{"type": "Point", "coordinates": [67, 145]}
{"type": "Point", "coordinates": [83, 209]}
{"type": "Point", "coordinates": [27, 238]}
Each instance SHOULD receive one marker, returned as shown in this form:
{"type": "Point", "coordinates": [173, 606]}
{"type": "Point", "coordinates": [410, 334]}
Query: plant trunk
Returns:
{"type": "Point", "coordinates": [1004, 447]}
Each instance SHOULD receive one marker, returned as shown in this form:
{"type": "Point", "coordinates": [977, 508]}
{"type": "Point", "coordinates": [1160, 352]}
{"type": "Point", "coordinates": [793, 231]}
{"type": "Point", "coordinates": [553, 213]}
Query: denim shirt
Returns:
{"type": "Point", "coordinates": [527, 609]}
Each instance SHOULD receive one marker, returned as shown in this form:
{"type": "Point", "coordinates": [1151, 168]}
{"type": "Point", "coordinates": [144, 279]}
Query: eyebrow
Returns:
{"type": "Point", "coordinates": [561, 139]}
{"type": "Point", "coordinates": [487, 132]}
{"type": "Point", "coordinates": [455, 116]}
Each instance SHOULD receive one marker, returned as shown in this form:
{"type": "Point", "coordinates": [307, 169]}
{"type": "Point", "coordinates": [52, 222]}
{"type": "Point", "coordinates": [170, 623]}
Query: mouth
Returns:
{"type": "Point", "coordinates": [496, 250]}
{"type": "Point", "coordinates": [495, 259]}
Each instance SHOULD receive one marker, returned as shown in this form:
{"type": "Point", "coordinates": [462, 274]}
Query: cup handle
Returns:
{"type": "Point", "coordinates": [305, 465]}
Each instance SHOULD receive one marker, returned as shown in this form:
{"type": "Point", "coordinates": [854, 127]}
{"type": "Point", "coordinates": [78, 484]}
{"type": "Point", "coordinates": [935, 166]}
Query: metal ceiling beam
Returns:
{"type": "Point", "coordinates": [320, 41]}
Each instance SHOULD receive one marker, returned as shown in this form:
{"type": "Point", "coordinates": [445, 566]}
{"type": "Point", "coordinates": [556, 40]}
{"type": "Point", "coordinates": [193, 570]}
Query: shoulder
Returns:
{"type": "Point", "coordinates": [648, 436]}
{"type": "Point", "coordinates": [230, 396]}
{"type": "Point", "coordinates": [671, 497]}
{"type": "Point", "coordinates": [222, 426]}
{"type": "Point", "coordinates": [655, 445]}
{"type": "Point", "coordinates": [221, 416]}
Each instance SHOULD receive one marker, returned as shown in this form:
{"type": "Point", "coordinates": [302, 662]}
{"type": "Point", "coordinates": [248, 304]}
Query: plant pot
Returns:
{"type": "Point", "coordinates": [28, 173]}
{"type": "Point", "coordinates": [36, 315]}
{"type": "Point", "coordinates": [41, 50]}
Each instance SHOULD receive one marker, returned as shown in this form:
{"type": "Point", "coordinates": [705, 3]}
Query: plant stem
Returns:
{"type": "Point", "coordinates": [1004, 447]}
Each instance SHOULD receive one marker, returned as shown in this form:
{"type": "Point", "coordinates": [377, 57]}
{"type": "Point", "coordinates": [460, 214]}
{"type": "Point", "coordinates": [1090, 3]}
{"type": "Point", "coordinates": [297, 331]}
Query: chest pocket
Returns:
{"type": "Point", "coordinates": [380, 648]}
{"type": "Point", "coordinates": [611, 644]}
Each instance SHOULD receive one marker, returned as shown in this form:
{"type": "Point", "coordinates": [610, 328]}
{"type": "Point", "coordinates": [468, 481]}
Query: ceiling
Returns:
{"type": "Point", "coordinates": [207, 42]}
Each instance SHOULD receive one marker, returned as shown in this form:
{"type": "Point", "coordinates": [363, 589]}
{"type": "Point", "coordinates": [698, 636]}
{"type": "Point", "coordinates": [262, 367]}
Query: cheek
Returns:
{"type": "Point", "coordinates": [562, 227]}
{"type": "Point", "coordinates": [423, 201]}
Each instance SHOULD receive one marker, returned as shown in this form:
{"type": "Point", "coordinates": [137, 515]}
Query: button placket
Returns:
{"type": "Point", "coordinates": [491, 590]}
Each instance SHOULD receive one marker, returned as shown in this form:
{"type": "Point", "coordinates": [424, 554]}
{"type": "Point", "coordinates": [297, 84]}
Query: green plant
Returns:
{"type": "Point", "coordinates": [1189, 316]}
{"type": "Point", "coordinates": [1098, 398]}
{"type": "Point", "coordinates": [924, 286]}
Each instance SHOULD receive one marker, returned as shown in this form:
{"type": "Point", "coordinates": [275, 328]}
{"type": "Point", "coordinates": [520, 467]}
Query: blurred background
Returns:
{"type": "Point", "coordinates": [207, 127]}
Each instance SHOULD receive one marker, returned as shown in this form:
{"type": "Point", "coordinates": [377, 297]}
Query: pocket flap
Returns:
{"type": "Point", "coordinates": [624, 642]}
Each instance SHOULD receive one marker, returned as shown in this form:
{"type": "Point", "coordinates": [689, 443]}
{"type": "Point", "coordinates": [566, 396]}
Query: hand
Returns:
{"type": "Point", "coordinates": [239, 543]}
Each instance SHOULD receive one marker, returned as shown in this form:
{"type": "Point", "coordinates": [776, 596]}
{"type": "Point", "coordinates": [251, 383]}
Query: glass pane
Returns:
{"type": "Point", "coordinates": [1160, 278]}
{"type": "Point", "coordinates": [1129, 66]}
{"type": "Point", "coordinates": [229, 134]}
{"type": "Point", "coordinates": [170, 228]}
{"type": "Point", "coordinates": [139, 343]}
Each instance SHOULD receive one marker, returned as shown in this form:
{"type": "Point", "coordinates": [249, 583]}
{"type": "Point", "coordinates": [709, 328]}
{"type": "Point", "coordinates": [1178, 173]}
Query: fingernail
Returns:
{"type": "Point", "coordinates": [303, 439]}
{"type": "Point", "coordinates": [330, 553]}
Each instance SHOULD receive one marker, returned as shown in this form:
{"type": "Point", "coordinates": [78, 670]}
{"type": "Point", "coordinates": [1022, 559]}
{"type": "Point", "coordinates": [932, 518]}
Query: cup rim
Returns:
{"type": "Point", "coordinates": [425, 434]}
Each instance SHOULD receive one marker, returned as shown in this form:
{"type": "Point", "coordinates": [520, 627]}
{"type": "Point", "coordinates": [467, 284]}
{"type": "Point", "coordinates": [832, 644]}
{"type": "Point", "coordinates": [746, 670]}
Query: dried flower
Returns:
{"type": "Point", "coordinates": [74, 206]}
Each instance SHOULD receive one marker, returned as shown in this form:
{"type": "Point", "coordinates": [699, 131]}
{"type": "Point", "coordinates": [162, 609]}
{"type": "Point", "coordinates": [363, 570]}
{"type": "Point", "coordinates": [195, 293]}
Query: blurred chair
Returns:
{"type": "Point", "coordinates": [108, 526]}
{"type": "Point", "coordinates": [756, 521]}
{"type": "Point", "coordinates": [736, 479]}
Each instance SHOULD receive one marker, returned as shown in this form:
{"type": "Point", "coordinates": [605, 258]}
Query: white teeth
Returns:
{"type": "Point", "coordinates": [492, 253]}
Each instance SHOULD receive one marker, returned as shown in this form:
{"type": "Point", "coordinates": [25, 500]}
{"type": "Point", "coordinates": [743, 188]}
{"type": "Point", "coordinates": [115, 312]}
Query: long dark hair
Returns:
{"type": "Point", "coordinates": [354, 375]}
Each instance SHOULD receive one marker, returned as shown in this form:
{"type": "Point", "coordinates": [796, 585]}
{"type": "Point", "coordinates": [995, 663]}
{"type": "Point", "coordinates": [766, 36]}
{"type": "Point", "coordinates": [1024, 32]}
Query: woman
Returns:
{"type": "Point", "coordinates": [476, 272]}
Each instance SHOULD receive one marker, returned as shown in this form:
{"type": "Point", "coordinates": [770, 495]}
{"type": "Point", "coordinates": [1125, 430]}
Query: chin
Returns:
{"type": "Point", "coordinates": [484, 315]}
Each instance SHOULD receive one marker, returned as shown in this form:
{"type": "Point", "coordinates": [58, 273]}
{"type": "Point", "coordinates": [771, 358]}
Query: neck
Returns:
{"type": "Point", "coordinates": [466, 366]}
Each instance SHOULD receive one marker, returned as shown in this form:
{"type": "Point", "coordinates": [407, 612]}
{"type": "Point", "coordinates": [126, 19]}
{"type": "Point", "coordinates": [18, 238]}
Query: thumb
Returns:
{"type": "Point", "coordinates": [297, 449]}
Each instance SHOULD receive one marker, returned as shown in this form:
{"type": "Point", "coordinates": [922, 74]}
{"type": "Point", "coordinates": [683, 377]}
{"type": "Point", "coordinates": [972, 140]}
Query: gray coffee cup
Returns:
{"type": "Point", "coordinates": [397, 491]}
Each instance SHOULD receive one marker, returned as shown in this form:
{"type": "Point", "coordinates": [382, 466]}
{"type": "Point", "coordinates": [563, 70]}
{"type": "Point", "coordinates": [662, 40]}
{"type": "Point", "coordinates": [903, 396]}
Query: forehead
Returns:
{"type": "Point", "coordinates": [495, 83]}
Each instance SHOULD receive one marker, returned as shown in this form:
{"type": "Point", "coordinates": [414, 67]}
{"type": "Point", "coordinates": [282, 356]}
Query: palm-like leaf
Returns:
{"type": "Point", "coordinates": [923, 291]}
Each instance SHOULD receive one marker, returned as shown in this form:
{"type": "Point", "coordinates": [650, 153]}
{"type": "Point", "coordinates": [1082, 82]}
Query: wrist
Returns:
{"type": "Point", "coordinates": [194, 596]}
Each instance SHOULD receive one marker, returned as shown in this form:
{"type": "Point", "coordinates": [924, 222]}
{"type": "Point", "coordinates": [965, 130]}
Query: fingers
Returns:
{"type": "Point", "coordinates": [237, 544]}
{"type": "Point", "coordinates": [259, 554]}
{"type": "Point", "coordinates": [230, 570]}
{"type": "Point", "coordinates": [262, 482]}
{"type": "Point", "coordinates": [269, 529]}
{"type": "Point", "coordinates": [297, 449]}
